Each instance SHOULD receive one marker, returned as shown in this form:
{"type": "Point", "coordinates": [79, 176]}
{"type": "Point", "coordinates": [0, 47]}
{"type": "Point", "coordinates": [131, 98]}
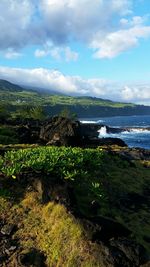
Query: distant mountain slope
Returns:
{"type": "Point", "coordinates": [8, 86]}
{"type": "Point", "coordinates": [17, 97]}
{"type": "Point", "coordinates": [51, 97]}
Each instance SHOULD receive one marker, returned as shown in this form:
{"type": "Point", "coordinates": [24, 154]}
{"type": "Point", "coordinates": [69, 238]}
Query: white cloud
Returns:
{"type": "Point", "coordinates": [139, 92]}
{"type": "Point", "coordinates": [55, 52]}
{"type": "Point", "coordinates": [80, 19]}
{"type": "Point", "coordinates": [134, 21]}
{"type": "Point", "coordinates": [10, 54]}
{"type": "Point", "coordinates": [70, 55]}
{"type": "Point", "coordinates": [25, 22]}
{"type": "Point", "coordinates": [15, 18]}
{"type": "Point", "coordinates": [40, 53]}
{"type": "Point", "coordinates": [76, 85]}
{"type": "Point", "coordinates": [58, 53]}
{"type": "Point", "coordinates": [114, 43]}
{"type": "Point", "coordinates": [117, 42]}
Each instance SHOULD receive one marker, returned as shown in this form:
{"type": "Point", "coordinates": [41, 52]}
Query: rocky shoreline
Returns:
{"type": "Point", "coordinates": [59, 131]}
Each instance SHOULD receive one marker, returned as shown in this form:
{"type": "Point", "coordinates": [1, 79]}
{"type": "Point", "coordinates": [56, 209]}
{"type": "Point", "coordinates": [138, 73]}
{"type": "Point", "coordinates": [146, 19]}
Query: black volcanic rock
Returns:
{"type": "Point", "coordinates": [61, 131]}
{"type": "Point", "coordinates": [28, 130]}
{"type": "Point", "coordinates": [90, 130]}
{"type": "Point", "coordinates": [109, 141]}
{"type": "Point", "coordinates": [127, 253]}
{"type": "Point", "coordinates": [33, 258]}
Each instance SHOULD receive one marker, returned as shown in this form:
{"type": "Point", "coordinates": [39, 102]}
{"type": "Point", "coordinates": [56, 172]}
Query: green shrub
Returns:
{"type": "Point", "coordinates": [8, 135]}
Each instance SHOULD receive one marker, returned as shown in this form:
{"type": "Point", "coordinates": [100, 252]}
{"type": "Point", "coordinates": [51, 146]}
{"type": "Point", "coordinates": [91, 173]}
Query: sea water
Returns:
{"type": "Point", "coordinates": [138, 136]}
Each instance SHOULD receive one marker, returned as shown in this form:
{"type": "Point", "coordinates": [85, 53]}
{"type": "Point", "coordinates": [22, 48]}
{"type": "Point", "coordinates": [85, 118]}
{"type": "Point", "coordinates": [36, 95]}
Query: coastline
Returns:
{"type": "Point", "coordinates": [134, 130]}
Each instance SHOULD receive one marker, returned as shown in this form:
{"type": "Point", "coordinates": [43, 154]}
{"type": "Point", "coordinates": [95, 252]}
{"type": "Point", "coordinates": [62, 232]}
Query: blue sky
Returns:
{"type": "Point", "coordinates": [79, 47]}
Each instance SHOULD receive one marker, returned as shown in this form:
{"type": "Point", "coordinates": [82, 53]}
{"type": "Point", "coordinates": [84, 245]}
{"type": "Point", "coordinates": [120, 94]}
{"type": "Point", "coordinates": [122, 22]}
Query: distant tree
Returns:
{"type": "Point", "coordinates": [66, 113]}
{"type": "Point", "coordinates": [23, 112]}
{"type": "Point", "coordinates": [36, 113]}
{"type": "Point", "coordinates": [4, 112]}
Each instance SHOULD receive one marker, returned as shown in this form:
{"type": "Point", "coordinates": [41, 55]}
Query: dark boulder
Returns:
{"type": "Point", "coordinates": [109, 228]}
{"type": "Point", "coordinates": [109, 141]}
{"type": "Point", "coordinates": [127, 253]}
{"type": "Point", "coordinates": [114, 240]}
{"type": "Point", "coordinates": [61, 131]}
{"type": "Point", "coordinates": [134, 154]}
{"type": "Point", "coordinates": [28, 134]}
{"type": "Point", "coordinates": [112, 141]}
{"type": "Point", "coordinates": [28, 131]}
{"type": "Point", "coordinates": [33, 258]}
{"type": "Point", "coordinates": [90, 130]}
{"type": "Point", "coordinates": [8, 245]}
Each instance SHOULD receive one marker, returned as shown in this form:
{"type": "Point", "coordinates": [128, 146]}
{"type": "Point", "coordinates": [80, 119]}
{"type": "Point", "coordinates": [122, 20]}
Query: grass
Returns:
{"type": "Point", "coordinates": [52, 230]}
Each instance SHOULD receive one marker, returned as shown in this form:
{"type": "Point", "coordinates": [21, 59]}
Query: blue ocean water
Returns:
{"type": "Point", "coordinates": [139, 136]}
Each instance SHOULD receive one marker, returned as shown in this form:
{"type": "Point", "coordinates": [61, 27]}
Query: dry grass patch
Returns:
{"type": "Point", "coordinates": [52, 230]}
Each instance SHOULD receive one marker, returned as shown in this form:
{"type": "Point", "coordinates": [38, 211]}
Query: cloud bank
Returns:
{"type": "Point", "coordinates": [104, 26]}
{"type": "Point", "coordinates": [75, 85]}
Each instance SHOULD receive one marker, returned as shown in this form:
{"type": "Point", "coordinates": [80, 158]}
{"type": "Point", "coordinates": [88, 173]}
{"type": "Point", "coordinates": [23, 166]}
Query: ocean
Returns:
{"type": "Point", "coordinates": [136, 135]}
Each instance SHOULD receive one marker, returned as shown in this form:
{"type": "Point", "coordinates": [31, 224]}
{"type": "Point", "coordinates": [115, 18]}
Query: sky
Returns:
{"type": "Point", "coordinates": [98, 48]}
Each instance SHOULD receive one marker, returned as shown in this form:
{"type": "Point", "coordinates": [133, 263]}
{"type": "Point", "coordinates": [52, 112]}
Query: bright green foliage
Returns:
{"type": "Point", "coordinates": [75, 165]}
{"type": "Point", "coordinates": [68, 163]}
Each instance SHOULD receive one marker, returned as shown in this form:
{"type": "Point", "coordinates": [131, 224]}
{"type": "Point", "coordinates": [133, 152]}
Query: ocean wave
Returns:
{"type": "Point", "coordinates": [136, 131]}
{"type": "Point", "coordinates": [103, 132]}
{"type": "Point", "coordinates": [85, 121]}
{"type": "Point", "coordinates": [88, 121]}
{"type": "Point", "coordinates": [130, 131]}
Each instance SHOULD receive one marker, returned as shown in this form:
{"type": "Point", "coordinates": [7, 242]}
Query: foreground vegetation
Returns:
{"type": "Point", "coordinates": [117, 188]}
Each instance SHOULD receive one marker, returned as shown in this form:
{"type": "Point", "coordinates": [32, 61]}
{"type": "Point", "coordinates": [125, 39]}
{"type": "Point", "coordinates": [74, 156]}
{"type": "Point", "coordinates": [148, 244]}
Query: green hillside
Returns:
{"type": "Point", "coordinates": [15, 98]}
{"type": "Point", "coordinates": [15, 95]}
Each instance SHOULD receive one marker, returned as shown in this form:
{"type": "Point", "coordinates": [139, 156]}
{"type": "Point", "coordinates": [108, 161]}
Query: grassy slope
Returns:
{"type": "Point", "coordinates": [15, 100]}
{"type": "Point", "coordinates": [49, 227]}
{"type": "Point", "coordinates": [16, 95]}
{"type": "Point", "coordinates": [27, 97]}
